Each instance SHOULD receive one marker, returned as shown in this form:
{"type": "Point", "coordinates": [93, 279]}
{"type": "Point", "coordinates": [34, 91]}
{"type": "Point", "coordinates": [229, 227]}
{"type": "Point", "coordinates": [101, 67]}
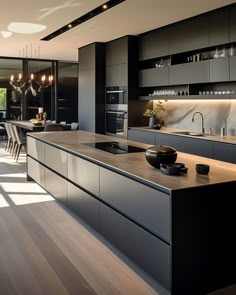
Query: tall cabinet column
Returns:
{"type": "Point", "coordinates": [92, 87]}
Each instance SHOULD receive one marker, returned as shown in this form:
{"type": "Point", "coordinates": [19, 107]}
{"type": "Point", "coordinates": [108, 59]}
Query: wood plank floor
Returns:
{"type": "Point", "coordinates": [46, 250]}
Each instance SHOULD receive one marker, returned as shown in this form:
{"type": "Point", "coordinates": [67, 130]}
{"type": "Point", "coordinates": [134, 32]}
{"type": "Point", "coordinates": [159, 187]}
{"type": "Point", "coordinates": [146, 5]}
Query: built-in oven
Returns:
{"type": "Point", "coordinates": [116, 95]}
{"type": "Point", "coordinates": [116, 121]}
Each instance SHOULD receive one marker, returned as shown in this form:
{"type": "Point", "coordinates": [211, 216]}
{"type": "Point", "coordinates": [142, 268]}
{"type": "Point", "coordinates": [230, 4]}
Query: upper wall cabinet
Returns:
{"type": "Point", "coordinates": [154, 44]}
{"type": "Point", "coordinates": [117, 52]}
{"type": "Point", "coordinates": [190, 34]}
{"type": "Point", "coordinates": [197, 72]}
{"type": "Point", "coordinates": [219, 26]}
{"type": "Point", "coordinates": [232, 24]}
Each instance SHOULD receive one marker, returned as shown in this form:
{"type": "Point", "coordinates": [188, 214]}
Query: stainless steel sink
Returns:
{"type": "Point", "coordinates": [190, 133]}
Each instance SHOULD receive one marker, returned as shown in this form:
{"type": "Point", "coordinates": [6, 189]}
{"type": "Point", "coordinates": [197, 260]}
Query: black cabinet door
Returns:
{"type": "Point", "coordinates": [144, 249]}
{"type": "Point", "coordinates": [194, 72]}
{"type": "Point", "coordinates": [225, 152]}
{"type": "Point", "coordinates": [219, 26]}
{"type": "Point", "coordinates": [117, 75]}
{"type": "Point", "coordinates": [232, 23]}
{"type": "Point", "coordinates": [189, 145]}
{"type": "Point", "coordinates": [190, 34]}
{"type": "Point", "coordinates": [56, 185]}
{"type": "Point", "coordinates": [154, 44]}
{"type": "Point", "coordinates": [232, 66]}
{"type": "Point", "coordinates": [153, 77]}
{"type": "Point", "coordinates": [219, 69]}
{"type": "Point", "coordinates": [84, 205]}
{"type": "Point", "coordinates": [117, 51]}
{"type": "Point", "coordinates": [141, 136]}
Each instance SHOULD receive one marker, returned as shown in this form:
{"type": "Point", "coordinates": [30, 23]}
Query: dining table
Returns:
{"type": "Point", "coordinates": [29, 126]}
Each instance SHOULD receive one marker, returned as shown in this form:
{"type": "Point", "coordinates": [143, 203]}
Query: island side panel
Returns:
{"type": "Point", "coordinates": [203, 247]}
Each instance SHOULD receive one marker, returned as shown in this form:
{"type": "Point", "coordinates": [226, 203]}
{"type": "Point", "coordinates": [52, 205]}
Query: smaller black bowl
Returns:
{"type": "Point", "coordinates": [202, 169]}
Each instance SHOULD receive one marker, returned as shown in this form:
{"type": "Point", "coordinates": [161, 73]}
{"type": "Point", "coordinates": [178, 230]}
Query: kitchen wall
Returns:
{"type": "Point", "coordinates": [216, 113]}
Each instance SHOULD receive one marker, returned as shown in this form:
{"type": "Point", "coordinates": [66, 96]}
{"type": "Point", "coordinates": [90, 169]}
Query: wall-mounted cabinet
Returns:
{"type": "Point", "coordinates": [232, 23]}
{"type": "Point", "coordinates": [197, 53]}
{"type": "Point", "coordinates": [154, 44]}
{"type": "Point", "coordinates": [194, 72]}
{"type": "Point", "coordinates": [219, 26]}
{"type": "Point", "coordinates": [189, 34]}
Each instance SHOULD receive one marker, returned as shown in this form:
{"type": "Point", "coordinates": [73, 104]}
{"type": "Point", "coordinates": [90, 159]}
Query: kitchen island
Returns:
{"type": "Point", "coordinates": [177, 228]}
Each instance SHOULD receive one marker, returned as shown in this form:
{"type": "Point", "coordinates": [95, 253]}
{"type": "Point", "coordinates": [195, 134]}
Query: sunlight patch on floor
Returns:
{"type": "Point", "coordinates": [22, 199]}
{"type": "Point", "coordinates": [18, 175]}
{"type": "Point", "coordinates": [3, 202]}
{"type": "Point", "coordinates": [11, 187]}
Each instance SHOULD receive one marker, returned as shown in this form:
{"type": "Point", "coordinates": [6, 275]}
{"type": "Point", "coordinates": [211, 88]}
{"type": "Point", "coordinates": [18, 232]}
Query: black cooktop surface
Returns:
{"type": "Point", "coordinates": [115, 147]}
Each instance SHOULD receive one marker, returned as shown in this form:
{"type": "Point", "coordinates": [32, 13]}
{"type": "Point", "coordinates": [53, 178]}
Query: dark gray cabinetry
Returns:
{"type": "Point", "coordinates": [154, 44]}
{"type": "Point", "coordinates": [84, 174]}
{"type": "Point", "coordinates": [117, 75]}
{"type": "Point", "coordinates": [232, 23]}
{"type": "Point", "coordinates": [149, 252]}
{"type": "Point", "coordinates": [153, 77]}
{"type": "Point", "coordinates": [232, 68]}
{"type": "Point", "coordinates": [91, 87]}
{"type": "Point", "coordinates": [56, 185]}
{"type": "Point", "coordinates": [117, 62]}
{"type": "Point", "coordinates": [185, 144]}
{"type": "Point", "coordinates": [197, 72]}
{"type": "Point", "coordinates": [141, 136]}
{"type": "Point", "coordinates": [127, 196]}
{"type": "Point", "coordinates": [219, 69]}
{"type": "Point", "coordinates": [117, 52]}
{"type": "Point", "coordinates": [225, 152]}
{"type": "Point", "coordinates": [219, 26]}
{"type": "Point", "coordinates": [190, 34]}
{"type": "Point", "coordinates": [83, 204]}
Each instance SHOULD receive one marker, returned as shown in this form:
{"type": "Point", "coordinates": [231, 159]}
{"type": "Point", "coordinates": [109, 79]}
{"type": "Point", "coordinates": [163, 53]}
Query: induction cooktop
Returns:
{"type": "Point", "coordinates": [115, 147]}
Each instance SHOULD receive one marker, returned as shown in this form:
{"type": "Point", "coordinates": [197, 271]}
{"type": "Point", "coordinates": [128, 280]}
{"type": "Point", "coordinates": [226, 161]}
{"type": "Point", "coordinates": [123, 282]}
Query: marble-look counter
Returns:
{"type": "Point", "coordinates": [172, 131]}
{"type": "Point", "coordinates": [135, 166]}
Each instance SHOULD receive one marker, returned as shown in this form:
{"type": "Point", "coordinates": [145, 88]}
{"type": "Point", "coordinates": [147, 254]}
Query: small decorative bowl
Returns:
{"type": "Point", "coordinates": [202, 169]}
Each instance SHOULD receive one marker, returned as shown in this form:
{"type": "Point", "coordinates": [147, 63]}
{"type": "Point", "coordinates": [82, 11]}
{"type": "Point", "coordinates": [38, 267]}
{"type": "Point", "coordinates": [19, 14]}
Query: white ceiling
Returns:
{"type": "Point", "coordinates": [131, 17]}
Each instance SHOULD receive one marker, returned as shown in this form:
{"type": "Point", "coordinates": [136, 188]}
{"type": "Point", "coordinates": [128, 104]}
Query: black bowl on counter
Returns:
{"type": "Point", "coordinates": [160, 154]}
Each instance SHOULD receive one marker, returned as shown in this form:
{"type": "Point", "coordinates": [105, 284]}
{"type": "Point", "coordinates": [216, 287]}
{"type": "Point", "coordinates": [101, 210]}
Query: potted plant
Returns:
{"type": "Point", "coordinates": [151, 114]}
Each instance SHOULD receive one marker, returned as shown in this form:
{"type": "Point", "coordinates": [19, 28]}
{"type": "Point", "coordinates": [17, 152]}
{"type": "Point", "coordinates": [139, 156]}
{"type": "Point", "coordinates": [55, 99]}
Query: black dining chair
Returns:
{"type": "Point", "coordinates": [53, 127]}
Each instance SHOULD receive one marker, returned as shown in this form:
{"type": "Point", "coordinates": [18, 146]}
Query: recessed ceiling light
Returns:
{"type": "Point", "coordinates": [102, 8]}
{"type": "Point", "coordinates": [6, 34]}
{"type": "Point", "coordinates": [25, 28]}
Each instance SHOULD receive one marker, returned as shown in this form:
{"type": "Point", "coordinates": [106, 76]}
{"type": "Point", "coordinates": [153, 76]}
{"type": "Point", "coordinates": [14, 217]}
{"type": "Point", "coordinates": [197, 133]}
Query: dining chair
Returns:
{"type": "Point", "coordinates": [21, 142]}
{"type": "Point", "coordinates": [14, 140]}
{"type": "Point", "coordinates": [74, 126]}
{"type": "Point", "coordinates": [53, 127]}
{"type": "Point", "coordinates": [9, 137]}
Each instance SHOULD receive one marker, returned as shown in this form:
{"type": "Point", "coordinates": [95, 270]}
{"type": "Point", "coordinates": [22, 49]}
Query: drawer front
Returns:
{"type": "Point", "coordinates": [35, 149]}
{"type": "Point", "coordinates": [35, 170]}
{"type": "Point", "coordinates": [56, 185]}
{"type": "Point", "coordinates": [147, 251]}
{"type": "Point", "coordinates": [84, 173]}
{"type": "Point", "coordinates": [56, 159]}
{"type": "Point", "coordinates": [148, 207]}
{"type": "Point", "coordinates": [141, 136]}
{"type": "Point", "coordinates": [84, 205]}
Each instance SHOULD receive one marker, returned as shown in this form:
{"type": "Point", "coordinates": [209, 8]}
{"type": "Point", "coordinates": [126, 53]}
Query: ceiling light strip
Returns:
{"type": "Point", "coordinates": [102, 8]}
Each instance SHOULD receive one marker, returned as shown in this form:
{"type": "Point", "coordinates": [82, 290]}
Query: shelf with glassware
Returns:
{"type": "Point", "coordinates": [208, 72]}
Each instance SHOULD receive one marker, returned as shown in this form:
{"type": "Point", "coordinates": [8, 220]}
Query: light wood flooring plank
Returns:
{"type": "Point", "coordinates": [45, 249]}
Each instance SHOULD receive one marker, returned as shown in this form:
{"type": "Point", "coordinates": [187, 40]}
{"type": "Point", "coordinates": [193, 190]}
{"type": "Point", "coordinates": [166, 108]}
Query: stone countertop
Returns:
{"type": "Point", "coordinates": [211, 137]}
{"type": "Point", "coordinates": [135, 166]}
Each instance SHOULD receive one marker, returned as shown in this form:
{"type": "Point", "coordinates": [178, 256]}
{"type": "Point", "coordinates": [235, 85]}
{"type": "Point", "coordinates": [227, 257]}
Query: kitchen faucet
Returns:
{"type": "Point", "coordinates": [203, 129]}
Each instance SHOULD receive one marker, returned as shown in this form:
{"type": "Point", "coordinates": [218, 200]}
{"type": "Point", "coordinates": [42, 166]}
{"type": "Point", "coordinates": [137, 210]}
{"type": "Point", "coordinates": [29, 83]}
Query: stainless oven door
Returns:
{"type": "Point", "coordinates": [116, 123]}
